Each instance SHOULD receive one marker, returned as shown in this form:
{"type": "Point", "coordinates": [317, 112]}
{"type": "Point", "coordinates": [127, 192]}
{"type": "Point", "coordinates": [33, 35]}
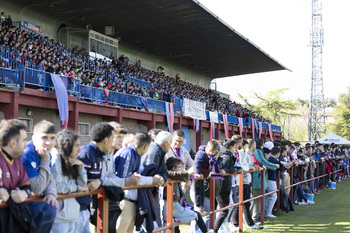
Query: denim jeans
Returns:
{"type": "Point", "coordinates": [63, 227]}
{"type": "Point", "coordinates": [44, 215]}
{"type": "Point", "coordinates": [82, 224]}
{"type": "Point", "coordinates": [270, 199]}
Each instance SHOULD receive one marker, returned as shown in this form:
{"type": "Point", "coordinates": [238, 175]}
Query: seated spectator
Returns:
{"type": "Point", "coordinates": [37, 162]}
{"type": "Point", "coordinates": [70, 177]}
{"type": "Point", "coordinates": [180, 212]}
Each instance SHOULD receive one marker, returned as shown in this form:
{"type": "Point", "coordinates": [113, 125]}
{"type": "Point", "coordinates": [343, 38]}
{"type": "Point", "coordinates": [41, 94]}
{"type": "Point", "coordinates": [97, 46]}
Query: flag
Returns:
{"type": "Point", "coordinates": [144, 102]}
{"type": "Point", "coordinates": [224, 118]}
{"type": "Point", "coordinates": [212, 131]}
{"type": "Point", "coordinates": [260, 129]}
{"type": "Point", "coordinates": [197, 125]}
{"type": "Point", "coordinates": [270, 132]}
{"type": "Point", "coordinates": [240, 124]}
{"type": "Point", "coordinates": [194, 125]}
{"type": "Point", "coordinates": [169, 108]}
{"type": "Point", "coordinates": [106, 91]}
{"type": "Point", "coordinates": [62, 99]}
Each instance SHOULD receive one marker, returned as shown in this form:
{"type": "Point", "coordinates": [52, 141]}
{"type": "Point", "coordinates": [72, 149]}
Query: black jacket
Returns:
{"type": "Point", "coordinates": [145, 204]}
{"type": "Point", "coordinates": [16, 218]}
{"type": "Point", "coordinates": [226, 162]}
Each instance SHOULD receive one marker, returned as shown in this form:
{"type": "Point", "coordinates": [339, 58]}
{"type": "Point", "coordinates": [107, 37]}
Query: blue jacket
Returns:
{"type": "Point", "coordinates": [259, 155]}
{"type": "Point", "coordinates": [156, 155]}
{"type": "Point", "coordinates": [127, 161]}
{"type": "Point", "coordinates": [273, 175]}
{"type": "Point", "coordinates": [145, 206]}
{"type": "Point", "coordinates": [92, 158]}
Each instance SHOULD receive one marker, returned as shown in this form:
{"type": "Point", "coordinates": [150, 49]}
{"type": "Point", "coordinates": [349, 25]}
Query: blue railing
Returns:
{"type": "Point", "coordinates": [13, 55]}
{"type": "Point", "coordinates": [26, 76]}
{"type": "Point", "coordinates": [9, 76]}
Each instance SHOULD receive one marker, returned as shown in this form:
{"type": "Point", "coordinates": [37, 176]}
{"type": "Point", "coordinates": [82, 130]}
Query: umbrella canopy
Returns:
{"type": "Point", "coordinates": [333, 138]}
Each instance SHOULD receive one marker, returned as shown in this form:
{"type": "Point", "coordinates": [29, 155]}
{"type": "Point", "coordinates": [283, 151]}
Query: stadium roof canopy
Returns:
{"type": "Point", "coordinates": [181, 32]}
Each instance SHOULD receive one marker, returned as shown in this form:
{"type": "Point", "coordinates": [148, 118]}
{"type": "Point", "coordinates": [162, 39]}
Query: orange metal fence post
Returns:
{"type": "Point", "coordinates": [102, 212]}
{"type": "Point", "coordinates": [317, 174]}
{"type": "Point", "coordinates": [212, 204]}
{"type": "Point", "coordinates": [262, 209]}
{"type": "Point", "coordinates": [169, 207]}
{"type": "Point", "coordinates": [240, 199]}
{"type": "Point", "coordinates": [310, 177]}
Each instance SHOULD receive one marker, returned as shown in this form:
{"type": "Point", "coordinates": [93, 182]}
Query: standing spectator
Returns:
{"type": "Point", "coordinates": [227, 162]}
{"type": "Point", "coordinates": [2, 18]}
{"type": "Point", "coordinates": [272, 184]}
{"type": "Point", "coordinates": [248, 166]}
{"type": "Point", "coordinates": [37, 162]}
{"type": "Point", "coordinates": [14, 187]}
{"type": "Point", "coordinates": [127, 162]}
{"type": "Point", "coordinates": [8, 21]}
{"type": "Point", "coordinates": [99, 172]}
{"type": "Point", "coordinates": [259, 159]}
{"type": "Point", "coordinates": [156, 154]}
{"type": "Point", "coordinates": [70, 177]}
{"type": "Point", "coordinates": [177, 150]}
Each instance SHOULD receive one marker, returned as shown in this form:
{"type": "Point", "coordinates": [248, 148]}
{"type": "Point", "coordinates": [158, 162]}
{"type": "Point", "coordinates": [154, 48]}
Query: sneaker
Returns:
{"type": "Point", "coordinates": [302, 203]}
{"type": "Point", "coordinates": [310, 202]}
{"type": "Point", "coordinates": [256, 221]}
{"type": "Point", "coordinates": [210, 231]}
{"type": "Point", "coordinates": [256, 227]}
{"type": "Point", "coordinates": [270, 216]}
{"type": "Point", "coordinates": [296, 203]}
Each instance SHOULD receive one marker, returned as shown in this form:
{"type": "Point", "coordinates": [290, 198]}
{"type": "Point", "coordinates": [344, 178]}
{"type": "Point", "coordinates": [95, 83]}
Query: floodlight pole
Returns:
{"type": "Point", "coordinates": [316, 124]}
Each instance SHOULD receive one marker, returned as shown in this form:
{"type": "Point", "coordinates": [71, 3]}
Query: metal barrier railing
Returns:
{"type": "Point", "coordinates": [102, 211]}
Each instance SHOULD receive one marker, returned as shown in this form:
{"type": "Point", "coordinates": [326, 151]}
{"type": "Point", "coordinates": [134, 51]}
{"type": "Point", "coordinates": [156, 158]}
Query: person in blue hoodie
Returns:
{"type": "Point", "coordinates": [37, 162]}
{"type": "Point", "coordinates": [127, 163]}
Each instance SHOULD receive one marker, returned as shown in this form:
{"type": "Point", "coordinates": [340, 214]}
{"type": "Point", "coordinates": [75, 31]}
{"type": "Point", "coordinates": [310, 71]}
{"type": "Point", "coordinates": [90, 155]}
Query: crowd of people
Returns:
{"type": "Point", "coordinates": [118, 75]}
{"type": "Point", "coordinates": [52, 164]}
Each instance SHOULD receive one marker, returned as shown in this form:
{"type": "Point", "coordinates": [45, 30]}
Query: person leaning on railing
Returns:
{"type": "Point", "coordinates": [14, 182]}
{"type": "Point", "coordinates": [259, 159]}
{"type": "Point", "coordinates": [127, 163]}
{"type": "Point", "coordinates": [70, 177]}
{"type": "Point", "coordinates": [37, 162]}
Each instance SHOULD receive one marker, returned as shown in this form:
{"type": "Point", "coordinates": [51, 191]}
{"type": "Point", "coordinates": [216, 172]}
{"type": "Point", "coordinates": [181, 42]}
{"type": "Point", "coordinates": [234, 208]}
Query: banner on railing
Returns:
{"type": "Point", "coordinates": [225, 122]}
{"type": "Point", "coordinates": [169, 109]}
{"type": "Point", "coordinates": [270, 133]}
{"type": "Point", "coordinates": [62, 99]}
{"type": "Point", "coordinates": [193, 109]}
{"type": "Point", "coordinates": [240, 124]}
{"type": "Point", "coordinates": [214, 117]}
{"type": "Point", "coordinates": [31, 26]}
{"type": "Point", "coordinates": [212, 131]}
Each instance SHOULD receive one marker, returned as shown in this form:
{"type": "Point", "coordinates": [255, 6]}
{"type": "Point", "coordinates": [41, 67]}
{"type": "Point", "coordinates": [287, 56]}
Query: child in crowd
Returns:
{"type": "Point", "coordinates": [180, 212]}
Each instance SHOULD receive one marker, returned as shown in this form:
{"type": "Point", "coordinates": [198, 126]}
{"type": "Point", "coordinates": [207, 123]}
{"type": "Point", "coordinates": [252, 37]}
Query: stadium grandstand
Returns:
{"type": "Point", "coordinates": [134, 62]}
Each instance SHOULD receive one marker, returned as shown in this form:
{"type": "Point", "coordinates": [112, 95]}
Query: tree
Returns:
{"type": "Point", "coordinates": [273, 107]}
{"type": "Point", "coordinates": [341, 126]}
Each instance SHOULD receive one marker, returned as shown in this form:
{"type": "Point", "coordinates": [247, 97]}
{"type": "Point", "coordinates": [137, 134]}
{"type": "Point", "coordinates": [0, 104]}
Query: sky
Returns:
{"type": "Point", "coordinates": [281, 28]}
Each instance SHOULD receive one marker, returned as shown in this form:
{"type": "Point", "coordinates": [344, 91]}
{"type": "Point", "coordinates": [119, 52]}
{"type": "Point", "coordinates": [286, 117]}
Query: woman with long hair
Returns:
{"type": "Point", "coordinates": [70, 177]}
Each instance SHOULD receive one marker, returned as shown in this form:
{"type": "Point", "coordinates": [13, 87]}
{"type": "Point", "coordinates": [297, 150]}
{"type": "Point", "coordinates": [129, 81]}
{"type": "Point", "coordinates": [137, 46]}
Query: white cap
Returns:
{"type": "Point", "coordinates": [269, 145]}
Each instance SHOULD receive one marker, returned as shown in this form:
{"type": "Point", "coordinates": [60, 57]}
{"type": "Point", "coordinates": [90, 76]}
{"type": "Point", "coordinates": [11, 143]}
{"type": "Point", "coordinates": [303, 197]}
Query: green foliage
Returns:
{"type": "Point", "coordinates": [272, 106]}
{"type": "Point", "coordinates": [342, 120]}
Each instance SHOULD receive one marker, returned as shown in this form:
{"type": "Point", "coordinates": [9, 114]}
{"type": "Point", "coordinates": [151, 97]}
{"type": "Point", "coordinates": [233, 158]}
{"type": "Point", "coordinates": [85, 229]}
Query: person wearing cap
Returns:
{"type": "Point", "coordinates": [260, 159]}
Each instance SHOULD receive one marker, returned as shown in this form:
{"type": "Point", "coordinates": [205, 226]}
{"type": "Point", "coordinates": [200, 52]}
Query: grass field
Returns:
{"type": "Point", "coordinates": [329, 214]}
